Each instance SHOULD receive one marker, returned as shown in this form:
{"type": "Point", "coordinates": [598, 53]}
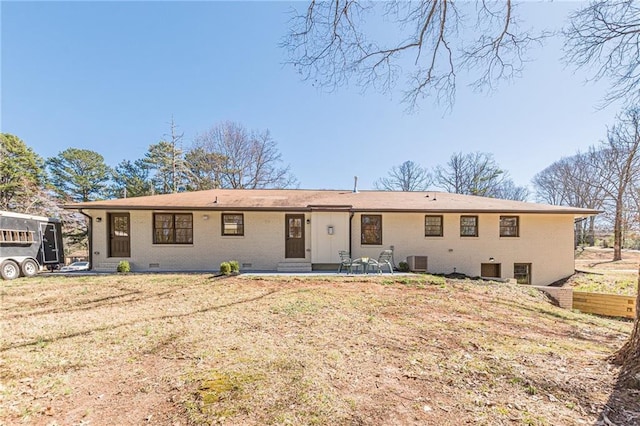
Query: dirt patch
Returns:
{"type": "Point", "coordinates": [189, 349]}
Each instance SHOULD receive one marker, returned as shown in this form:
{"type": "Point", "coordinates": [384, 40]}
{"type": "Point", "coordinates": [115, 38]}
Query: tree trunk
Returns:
{"type": "Point", "coordinates": [628, 357]}
{"type": "Point", "coordinates": [617, 229]}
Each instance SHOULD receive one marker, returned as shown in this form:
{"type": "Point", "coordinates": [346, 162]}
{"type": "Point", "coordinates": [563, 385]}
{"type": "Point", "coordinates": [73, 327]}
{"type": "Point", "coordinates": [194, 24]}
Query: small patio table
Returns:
{"type": "Point", "coordinates": [365, 263]}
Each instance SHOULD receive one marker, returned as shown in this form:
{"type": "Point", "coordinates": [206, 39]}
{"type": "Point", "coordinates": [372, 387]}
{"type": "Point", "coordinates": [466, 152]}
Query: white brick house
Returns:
{"type": "Point", "coordinates": [275, 229]}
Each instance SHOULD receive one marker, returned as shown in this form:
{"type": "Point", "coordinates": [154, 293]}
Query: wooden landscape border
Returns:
{"type": "Point", "coordinates": [612, 305]}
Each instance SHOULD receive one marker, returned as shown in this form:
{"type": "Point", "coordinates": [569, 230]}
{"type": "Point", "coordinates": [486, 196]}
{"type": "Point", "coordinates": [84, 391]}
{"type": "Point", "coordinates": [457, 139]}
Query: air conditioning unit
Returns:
{"type": "Point", "coordinates": [417, 263]}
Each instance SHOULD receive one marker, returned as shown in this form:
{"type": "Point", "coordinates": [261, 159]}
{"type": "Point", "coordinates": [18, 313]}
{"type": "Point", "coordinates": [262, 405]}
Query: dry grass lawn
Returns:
{"type": "Point", "coordinates": [597, 273]}
{"type": "Point", "coordinates": [194, 349]}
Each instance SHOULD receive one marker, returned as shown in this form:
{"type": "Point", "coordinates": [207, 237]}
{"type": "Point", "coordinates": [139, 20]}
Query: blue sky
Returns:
{"type": "Point", "coordinates": [108, 76]}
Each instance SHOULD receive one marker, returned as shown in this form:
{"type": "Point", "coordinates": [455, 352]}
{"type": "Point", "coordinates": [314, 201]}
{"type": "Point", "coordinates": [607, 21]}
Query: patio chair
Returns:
{"type": "Point", "coordinates": [345, 261]}
{"type": "Point", "coordinates": [385, 258]}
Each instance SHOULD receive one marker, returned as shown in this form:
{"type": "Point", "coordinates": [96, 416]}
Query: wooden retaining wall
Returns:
{"type": "Point", "coordinates": [611, 305]}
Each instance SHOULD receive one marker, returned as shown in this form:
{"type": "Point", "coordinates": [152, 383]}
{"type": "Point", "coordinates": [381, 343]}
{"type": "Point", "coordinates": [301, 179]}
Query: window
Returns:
{"type": "Point", "coordinates": [172, 228]}
{"type": "Point", "coordinates": [522, 273]}
{"type": "Point", "coordinates": [232, 224]}
{"type": "Point", "coordinates": [468, 226]}
{"type": "Point", "coordinates": [509, 226]}
{"type": "Point", "coordinates": [12, 236]}
{"type": "Point", "coordinates": [433, 226]}
{"type": "Point", "coordinates": [371, 226]}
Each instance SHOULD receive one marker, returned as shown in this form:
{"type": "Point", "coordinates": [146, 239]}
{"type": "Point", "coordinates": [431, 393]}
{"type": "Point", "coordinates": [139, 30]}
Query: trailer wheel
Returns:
{"type": "Point", "coordinates": [9, 270]}
{"type": "Point", "coordinates": [29, 268]}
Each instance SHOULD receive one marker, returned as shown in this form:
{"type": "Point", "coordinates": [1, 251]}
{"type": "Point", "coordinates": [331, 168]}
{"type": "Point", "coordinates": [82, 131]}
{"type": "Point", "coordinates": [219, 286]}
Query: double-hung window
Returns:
{"type": "Point", "coordinates": [468, 226]}
{"type": "Point", "coordinates": [371, 229]}
{"type": "Point", "coordinates": [509, 226]}
{"type": "Point", "coordinates": [433, 226]}
{"type": "Point", "coordinates": [232, 224]}
{"type": "Point", "coordinates": [172, 228]}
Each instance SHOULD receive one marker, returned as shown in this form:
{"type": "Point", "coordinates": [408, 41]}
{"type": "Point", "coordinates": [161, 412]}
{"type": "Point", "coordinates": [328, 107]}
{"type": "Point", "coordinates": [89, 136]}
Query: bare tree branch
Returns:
{"type": "Point", "coordinates": [605, 37]}
{"type": "Point", "coordinates": [334, 42]}
{"type": "Point", "coordinates": [248, 160]}
{"type": "Point", "coordinates": [408, 176]}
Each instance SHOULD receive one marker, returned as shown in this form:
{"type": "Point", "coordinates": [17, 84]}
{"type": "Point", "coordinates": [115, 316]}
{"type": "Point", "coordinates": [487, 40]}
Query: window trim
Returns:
{"type": "Point", "coordinates": [362, 227]}
{"type": "Point", "coordinates": [222, 227]}
{"type": "Point", "coordinates": [529, 267]}
{"type": "Point", "coordinates": [173, 228]}
{"type": "Point", "coordinates": [517, 227]}
{"type": "Point", "coordinates": [441, 226]}
{"type": "Point", "coordinates": [477, 226]}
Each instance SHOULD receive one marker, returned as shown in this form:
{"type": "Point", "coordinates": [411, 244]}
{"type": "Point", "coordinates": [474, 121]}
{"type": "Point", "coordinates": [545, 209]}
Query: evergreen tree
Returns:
{"type": "Point", "coordinates": [21, 173]}
{"type": "Point", "coordinates": [79, 175]}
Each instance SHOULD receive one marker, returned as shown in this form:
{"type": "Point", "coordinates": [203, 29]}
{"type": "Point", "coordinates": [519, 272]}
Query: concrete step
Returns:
{"type": "Point", "coordinates": [294, 267]}
{"type": "Point", "coordinates": [106, 267]}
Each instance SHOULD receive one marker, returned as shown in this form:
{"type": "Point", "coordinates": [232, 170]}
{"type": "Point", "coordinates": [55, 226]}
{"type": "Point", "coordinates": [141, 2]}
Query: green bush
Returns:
{"type": "Point", "coordinates": [225, 268]}
{"type": "Point", "coordinates": [124, 266]}
{"type": "Point", "coordinates": [403, 267]}
{"type": "Point", "coordinates": [235, 266]}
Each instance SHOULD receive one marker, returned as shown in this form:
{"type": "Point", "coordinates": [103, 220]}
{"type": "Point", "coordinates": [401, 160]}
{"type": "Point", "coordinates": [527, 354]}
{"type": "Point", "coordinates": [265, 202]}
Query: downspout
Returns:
{"type": "Point", "coordinates": [89, 237]}
{"type": "Point", "coordinates": [351, 214]}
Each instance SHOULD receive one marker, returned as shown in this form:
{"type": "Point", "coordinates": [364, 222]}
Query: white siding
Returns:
{"type": "Point", "coordinates": [325, 247]}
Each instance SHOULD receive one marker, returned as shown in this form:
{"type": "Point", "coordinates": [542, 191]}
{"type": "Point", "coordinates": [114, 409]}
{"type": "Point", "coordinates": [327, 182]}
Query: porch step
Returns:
{"type": "Point", "coordinates": [105, 267]}
{"type": "Point", "coordinates": [294, 267]}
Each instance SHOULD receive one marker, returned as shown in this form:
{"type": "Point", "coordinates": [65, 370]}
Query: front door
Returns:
{"type": "Point", "coordinates": [490, 270]}
{"type": "Point", "coordinates": [294, 236]}
{"type": "Point", "coordinates": [120, 242]}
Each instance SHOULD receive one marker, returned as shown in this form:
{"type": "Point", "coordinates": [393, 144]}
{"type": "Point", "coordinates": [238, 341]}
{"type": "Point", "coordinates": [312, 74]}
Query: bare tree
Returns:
{"type": "Point", "coordinates": [508, 190]}
{"type": "Point", "coordinates": [166, 160]}
{"type": "Point", "coordinates": [617, 166]}
{"type": "Point", "coordinates": [248, 160]}
{"type": "Point", "coordinates": [206, 167]}
{"type": "Point", "coordinates": [605, 36]}
{"type": "Point", "coordinates": [408, 176]}
{"type": "Point", "coordinates": [477, 173]}
{"type": "Point", "coordinates": [570, 182]}
{"type": "Point", "coordinates": [332, 43]}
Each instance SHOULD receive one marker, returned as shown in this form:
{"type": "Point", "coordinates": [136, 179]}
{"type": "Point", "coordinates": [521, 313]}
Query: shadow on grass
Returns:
{"type": "Point", "coordinates": [622, 407]}
{"type": "Point", "coordinates": [40, 341]}
{"type": "Point", "coordinates": [112, 300]}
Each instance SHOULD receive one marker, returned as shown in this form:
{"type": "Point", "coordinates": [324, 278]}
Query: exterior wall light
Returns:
{"type": "Point", "coordinates": [330, 229]}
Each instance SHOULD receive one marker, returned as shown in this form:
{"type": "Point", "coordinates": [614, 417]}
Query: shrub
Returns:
{"type": "Point", "coordinates": [235, 266]}
{"type": "Point", "coordinates": [403, 267]}
{"type": "Point", "coordinates": [124, 267]}
{"type": "Point", "coordinates": [225, 268]}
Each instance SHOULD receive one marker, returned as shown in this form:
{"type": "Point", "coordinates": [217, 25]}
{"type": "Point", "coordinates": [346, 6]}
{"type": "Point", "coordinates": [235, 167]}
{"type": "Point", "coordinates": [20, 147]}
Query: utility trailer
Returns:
{"type": "Point", "coordinates": [28, 244]}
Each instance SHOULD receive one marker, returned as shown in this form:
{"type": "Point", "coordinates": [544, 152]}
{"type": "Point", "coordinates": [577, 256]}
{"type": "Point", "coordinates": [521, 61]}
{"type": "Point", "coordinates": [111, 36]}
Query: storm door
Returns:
{"type": "Point", "coordinates": [294, 236]}
{"type": "Point", "coordinates": [120, 241]}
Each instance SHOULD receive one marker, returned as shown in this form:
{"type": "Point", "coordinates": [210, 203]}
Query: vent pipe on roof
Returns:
{"type": "Point", "coordinates": [355, 184]}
